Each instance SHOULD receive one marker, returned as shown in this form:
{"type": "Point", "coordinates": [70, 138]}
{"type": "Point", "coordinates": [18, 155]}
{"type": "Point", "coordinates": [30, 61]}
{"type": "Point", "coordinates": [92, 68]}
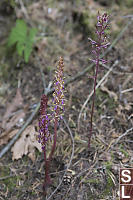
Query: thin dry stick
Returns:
{"type": "Point", "coordinates": [26, 15]}
{"type": "Point", "coordinates": [97, 86]}
{"type": "Point", "coordinates": [70, 161]}
{"type": "Point", "coordinates": [127, 90]}
{"type": "Point", "coordinates": [24, 10]}
{"type": "Point", "coordinates": [6, 177]}
{"type": "Point", "coordinates": [129, 131]}
{"type": "Point", "coordinates": [114, 71]}
{"type": "Point", "coordinates": [49, 91]}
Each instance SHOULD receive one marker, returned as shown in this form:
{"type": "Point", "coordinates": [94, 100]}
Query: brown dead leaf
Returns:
{"type": "Point", "coordinates": [13, 112]}
{"type": "Point", "coordinates": [115, 135]}
{"type": "Point", "coordinates": [41, 45]}
{"type": "Point", "coordinates": [125, 160]}
{"type": "Point", "coordinates": [110, 93]}
{"type": "Point", "coordinates": [17, 102]}
{"type": "Point", "coordinates": [53, 13]}
{"type": "Point", "coordinates": [6, 136]}
{"type": "Point", "coordinates": [37, 12]}
{"type": "Point", "coordinates": [26, 144]}
{"type": "Point", "coordinates": [14, 120]}
{"type": "Point", "coordinates": [105, 156]}
{"type": "Point", "coordinates": [128, 106]}
{"type": "Point", "coordinates": [121, 111]}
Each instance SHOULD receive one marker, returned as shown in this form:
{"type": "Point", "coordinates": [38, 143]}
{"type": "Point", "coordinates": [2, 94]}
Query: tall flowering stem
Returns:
{"type": "Point", "coordinates": [44, 122]}
{"type": "Point", "coordinates": [44, 136]}
{"type": "Point", "coordinates": [58, 100]}
{"type": "Point", "coordinates": [98, 47]}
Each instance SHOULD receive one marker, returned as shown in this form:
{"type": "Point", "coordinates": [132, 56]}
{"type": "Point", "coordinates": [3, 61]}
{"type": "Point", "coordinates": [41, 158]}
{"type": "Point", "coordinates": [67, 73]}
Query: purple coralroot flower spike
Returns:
{"type": "Point", "coordinates": [101, 43]}
{"type": "Point", "coordinates": [57, 111]}
{"type": "Point", "coordinates": [58, 100]}
{"type": "Point", "coordinates": [58, 95]}
{"type": "Point", "coordinates": [44, 134]}
{"type": "Point", "coordinates": [98, 46]}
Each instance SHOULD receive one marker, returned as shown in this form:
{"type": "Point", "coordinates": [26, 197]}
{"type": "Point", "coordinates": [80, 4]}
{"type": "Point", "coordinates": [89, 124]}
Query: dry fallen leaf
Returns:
{"type": "Point", "coordinates": [53, 13]}
{"type": "Point", "coordinates": [6, 136]}
{"type": "Point", "coordinates": [115, 135]}
{"type": "Point", "coordinates": [121, 112]}
{"type": "Point", "coordinates": [105, 156]}
{"type": "Point", "coordinates": [37, 12]}
{"type": "Point", "coordinates": [110, 93]}
{"type": "Point", "coordinates": [16, 103]}
{"type": "Point", "coordinates": [14, 120]}
{"type": "Point", "coordinates": [14, 112]}
{"type": "Point", "coordinates": [26, 144]}
{"type": "Point", "coordinates": [125, 160]}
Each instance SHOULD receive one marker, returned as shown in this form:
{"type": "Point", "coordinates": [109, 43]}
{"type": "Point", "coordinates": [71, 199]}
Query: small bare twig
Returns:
{"type": "Point", "coordinates": [127, 90]}
{"type": "Point", "coordinates": [70, 161]}
{"type": "Point", "coordinates": [114, 71]}
{"type": "Point", "coordinates": [43, 77]}
{"type": "Point", "coordinates": [128, 16]}
{"type": "Point", "coordinates": [24, 10]}
{"type": "Point", "coordinates": [6, 177]}
{"type": "Point", "coordinates": [97, 86]}
{"type": "Point", "coordinates": [129, 131]}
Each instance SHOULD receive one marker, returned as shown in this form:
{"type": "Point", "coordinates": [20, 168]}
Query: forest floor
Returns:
{"type": "Point", "coordinates": [63, 30]}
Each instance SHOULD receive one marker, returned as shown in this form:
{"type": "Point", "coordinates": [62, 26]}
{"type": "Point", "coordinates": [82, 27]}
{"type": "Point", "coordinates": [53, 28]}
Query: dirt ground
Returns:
{"type": "Point", "coordinates": [63, 30]}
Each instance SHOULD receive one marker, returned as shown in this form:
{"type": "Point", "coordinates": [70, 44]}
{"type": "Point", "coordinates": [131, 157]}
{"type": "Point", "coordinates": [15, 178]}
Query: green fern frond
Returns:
{"type": "Point", "coordinates": [29, 43]}
{"type": "Point", "coordinates": [23, 37]}
{"type": "Point", "coordinates": [18, 33]}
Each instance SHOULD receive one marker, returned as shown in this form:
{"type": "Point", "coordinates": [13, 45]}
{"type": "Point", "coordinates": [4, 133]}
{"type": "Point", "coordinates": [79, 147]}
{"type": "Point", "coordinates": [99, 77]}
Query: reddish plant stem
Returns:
{"type": "Point", "coordinates": [94, 95]}
{"type": "Point", "coordinates": [47, 180]}
{"type": "Point", "coordinates": [98, 45]}
{"type": "Point", "coordinates": [55, 137]}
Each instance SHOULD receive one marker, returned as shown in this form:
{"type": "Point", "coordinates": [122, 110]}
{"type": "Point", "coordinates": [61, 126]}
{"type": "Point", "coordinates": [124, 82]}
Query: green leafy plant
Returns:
{"type": "Point", "coordinates": [123, 151]}
{"type": "Point", "coordinates": [23, 37]}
